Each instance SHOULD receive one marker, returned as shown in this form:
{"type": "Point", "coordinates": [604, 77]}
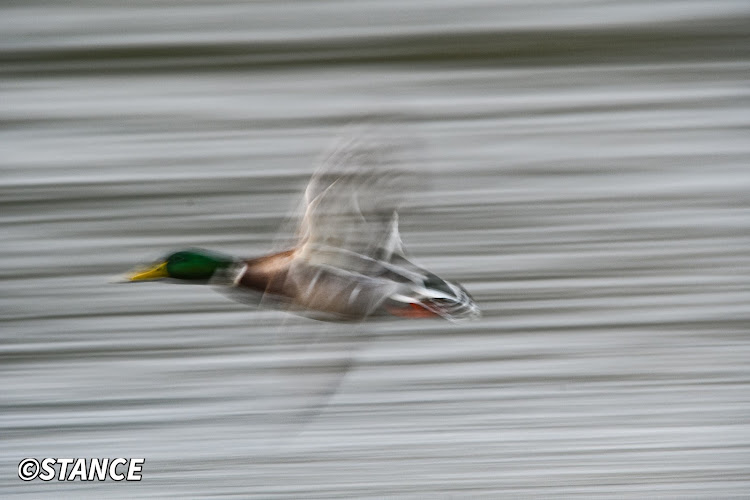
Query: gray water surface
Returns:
{"type": "Point", "coordinates": [589, 185]}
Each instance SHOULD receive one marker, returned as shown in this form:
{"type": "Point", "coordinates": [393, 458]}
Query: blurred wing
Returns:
{"type": "Point", "coordinates": [351, 205]}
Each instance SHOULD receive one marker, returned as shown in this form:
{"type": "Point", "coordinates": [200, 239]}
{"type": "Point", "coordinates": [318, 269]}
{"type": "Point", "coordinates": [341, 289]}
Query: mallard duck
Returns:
{"type": "Point", "coordinates": [348, 262]}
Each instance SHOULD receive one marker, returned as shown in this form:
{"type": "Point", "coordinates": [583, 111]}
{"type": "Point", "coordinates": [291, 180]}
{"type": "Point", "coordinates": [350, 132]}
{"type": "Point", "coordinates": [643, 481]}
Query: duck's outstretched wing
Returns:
{"type": "Point", "coordinates": [351, 205]}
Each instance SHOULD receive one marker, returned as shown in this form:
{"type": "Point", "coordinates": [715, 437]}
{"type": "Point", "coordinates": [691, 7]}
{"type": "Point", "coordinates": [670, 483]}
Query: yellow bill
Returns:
{"type": "Point", "coordinates": [155, 272]}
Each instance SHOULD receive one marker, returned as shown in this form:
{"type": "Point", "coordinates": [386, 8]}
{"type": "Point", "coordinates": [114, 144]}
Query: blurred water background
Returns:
{"type": "Point", "coordinates": [590, 187]}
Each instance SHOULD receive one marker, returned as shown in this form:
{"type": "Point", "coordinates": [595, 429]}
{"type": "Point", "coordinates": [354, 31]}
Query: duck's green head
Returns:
{"type": "Point", "coordinates": [194, 265]}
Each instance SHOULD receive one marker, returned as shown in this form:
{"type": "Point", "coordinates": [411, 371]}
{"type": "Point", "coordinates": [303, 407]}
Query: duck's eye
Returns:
{"type": "Point", "coordinates": [177, 259]}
